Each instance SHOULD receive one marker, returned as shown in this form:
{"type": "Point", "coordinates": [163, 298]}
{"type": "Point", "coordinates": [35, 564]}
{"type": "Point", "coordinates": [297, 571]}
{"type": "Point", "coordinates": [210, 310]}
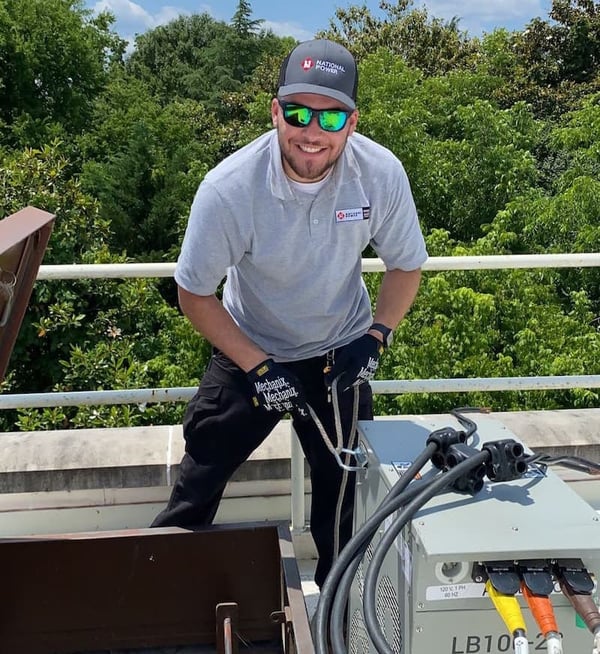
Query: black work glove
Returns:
{"type": "Point", "coordinates": [275, 388]}
{"type": "Point", "coordinates": [356, 362]}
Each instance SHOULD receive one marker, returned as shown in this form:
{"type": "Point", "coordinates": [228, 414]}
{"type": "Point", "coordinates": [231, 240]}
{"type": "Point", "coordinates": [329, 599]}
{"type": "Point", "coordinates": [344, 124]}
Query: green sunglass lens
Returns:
{"type": "Point", "coordinates": [332, 121]}
{"type": "Point", "coordinates": [299, 115]}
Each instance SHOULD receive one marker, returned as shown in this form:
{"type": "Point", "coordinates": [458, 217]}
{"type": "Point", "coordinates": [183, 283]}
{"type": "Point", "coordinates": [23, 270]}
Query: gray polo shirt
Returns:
{"type": "Point", "coordinates": [293, 260]}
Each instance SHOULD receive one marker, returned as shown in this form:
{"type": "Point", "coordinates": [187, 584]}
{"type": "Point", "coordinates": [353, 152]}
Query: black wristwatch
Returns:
{"type": "Point", "coordinates": [386, 332]}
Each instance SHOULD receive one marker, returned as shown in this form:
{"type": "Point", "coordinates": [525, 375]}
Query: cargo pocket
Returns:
{"type": "Point", "coordinates": [200, 424]}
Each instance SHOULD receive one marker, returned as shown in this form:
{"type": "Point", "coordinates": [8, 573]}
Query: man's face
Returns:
{"type": "Point", "coordinates": [308, 153]}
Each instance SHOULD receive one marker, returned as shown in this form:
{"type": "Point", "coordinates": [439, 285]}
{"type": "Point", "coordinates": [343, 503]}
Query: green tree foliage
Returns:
{"type": "Point", "coordinates": [551, 64]}
{"type": "Point", "coordinates": [466, 158]}
{"type": "Point", "coordinates": [88, 334]}
{"type": "Point", "coordinates": [179, 59]}
{"type": "Point", "coordinates": [576, 137]}
{"type": "Point", "coordinates": [200, 58]}
{"type": "Point", "coordinates": [41, 178]}
{"type": "Point", "coordinates": [242, 21]}
{"type": "Point", "coordinates": [144, 162]}
{"type": "Point", "coordinates": [54, 59]}
{"type": "Point", "coordinates": [426, 43]}
{"type": "Point", "coordinates": [567, 49]}
{"type": "Point", "coordinates": [509, 323]}
{"type": "Point", "coordinates": [565, 220]}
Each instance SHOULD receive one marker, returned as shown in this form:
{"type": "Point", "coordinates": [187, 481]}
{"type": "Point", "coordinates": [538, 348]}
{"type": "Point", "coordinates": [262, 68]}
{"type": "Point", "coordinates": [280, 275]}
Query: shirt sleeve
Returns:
{"type": "Point", "coordinates": [397, 237]}
{"type": "Point", "coordinates": [212, 243]}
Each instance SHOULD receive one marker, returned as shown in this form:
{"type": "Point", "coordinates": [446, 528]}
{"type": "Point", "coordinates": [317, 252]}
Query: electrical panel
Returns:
{"type": "Point", "coordinates": [431, 593]}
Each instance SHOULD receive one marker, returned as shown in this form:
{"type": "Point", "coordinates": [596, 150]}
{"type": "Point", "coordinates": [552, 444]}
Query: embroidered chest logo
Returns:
{"type": "Point", "coordinates": [350, 215]}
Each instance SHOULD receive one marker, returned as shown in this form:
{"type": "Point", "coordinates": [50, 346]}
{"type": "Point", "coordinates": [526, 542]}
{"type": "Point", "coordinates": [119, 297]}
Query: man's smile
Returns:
{"type": "Point", "coordinates": [310, 149]}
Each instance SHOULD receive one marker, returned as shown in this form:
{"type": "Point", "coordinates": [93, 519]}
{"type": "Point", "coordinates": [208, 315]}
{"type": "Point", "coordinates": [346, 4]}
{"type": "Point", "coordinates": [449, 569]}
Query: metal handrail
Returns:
{"type": "Point", "coordinates": [433, 264]}
{"type": "Point", "coordinates": [381, 387]}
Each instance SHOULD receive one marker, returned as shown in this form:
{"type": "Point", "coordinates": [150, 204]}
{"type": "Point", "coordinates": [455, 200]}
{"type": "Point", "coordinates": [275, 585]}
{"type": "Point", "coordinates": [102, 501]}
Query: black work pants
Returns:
{"type": "Point", "coordinates": [222, 428]}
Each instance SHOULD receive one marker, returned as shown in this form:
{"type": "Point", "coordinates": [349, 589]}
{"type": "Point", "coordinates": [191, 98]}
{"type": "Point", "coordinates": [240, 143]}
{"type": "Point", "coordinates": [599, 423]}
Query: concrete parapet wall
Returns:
{"type": "Point", "coordinates": [102, 479]}
{"type": "Point", "coordinates": [144, 457]}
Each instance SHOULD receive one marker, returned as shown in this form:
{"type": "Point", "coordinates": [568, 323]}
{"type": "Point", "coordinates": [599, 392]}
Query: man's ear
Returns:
{"type": "Point", "coordinates": [274, 111]}
{"type": "Point", "coordinates": [352, 121]}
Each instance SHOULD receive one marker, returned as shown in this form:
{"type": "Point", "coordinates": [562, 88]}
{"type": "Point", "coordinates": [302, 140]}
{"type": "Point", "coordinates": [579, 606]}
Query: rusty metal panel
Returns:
{"type": "Point", "coordinates": [23, 240]}
{"type": "Point", "coordinates": [149, 588]}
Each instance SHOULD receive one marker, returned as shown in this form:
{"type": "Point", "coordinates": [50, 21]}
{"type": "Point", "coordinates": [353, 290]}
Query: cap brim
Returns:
{"type": "Point", "coordinates": [293, 89]}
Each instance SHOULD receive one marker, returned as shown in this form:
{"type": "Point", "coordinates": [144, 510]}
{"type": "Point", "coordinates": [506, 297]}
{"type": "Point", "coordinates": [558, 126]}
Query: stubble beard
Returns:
{"type": "Point", "coordinates": [309, 171]}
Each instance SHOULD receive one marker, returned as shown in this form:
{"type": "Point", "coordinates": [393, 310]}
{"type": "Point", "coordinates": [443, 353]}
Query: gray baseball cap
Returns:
{"type": "Point", "coordinates": [320, 66]}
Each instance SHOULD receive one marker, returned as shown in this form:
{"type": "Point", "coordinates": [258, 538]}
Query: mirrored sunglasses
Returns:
{"type": "Point", "coordinates": [330, 120]}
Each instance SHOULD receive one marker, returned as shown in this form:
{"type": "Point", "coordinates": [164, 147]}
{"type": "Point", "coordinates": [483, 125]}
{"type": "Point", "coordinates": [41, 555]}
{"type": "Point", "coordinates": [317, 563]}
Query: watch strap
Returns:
{"type": "Point", "coordinates": [386, 332]}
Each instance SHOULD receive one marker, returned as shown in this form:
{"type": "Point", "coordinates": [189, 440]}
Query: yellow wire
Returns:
{"type": "Point", "coordinates": [508, 608]}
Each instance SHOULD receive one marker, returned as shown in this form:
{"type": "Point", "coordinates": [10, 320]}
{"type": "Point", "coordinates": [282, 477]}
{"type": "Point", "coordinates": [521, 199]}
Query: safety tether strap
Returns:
{"type": "Point", "coordinates": [337, 452]}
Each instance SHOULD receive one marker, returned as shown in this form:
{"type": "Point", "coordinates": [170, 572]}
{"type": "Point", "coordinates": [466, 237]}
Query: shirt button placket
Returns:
{"type": "Point", "coordinates": [316, 222]}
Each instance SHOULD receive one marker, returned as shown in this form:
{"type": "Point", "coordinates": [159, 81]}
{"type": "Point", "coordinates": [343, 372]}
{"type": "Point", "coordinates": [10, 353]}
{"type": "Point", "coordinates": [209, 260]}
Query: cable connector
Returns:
{"type": "Point", "coordinates": [537, 576]}
{"type": "Point", "coordinates": [472, 481]}
{"type": "Point", "coordinates": [503, 576]}
{"type": "Point", "coordinates": [573, 573]}
{"type": "Point", "coordinates": [537, 585]}
{"type": "Point", "coordinates": [444, 438]}
{"type": "Point", "coordinates": [507, 460]}
{"type": "Point", "coordinates": [577, 585]}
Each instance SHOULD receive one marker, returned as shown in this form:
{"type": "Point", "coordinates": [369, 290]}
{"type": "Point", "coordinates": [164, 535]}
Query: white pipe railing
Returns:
{"type": "Point", "coordinates": [370, 265]}
{"type": "Point", "coordinates": [381, 387]}
{"type": "Point", "coordinates": [436, 264]}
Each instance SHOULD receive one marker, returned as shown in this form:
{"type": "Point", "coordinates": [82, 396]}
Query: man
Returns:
{"type": "Point", "coordinates": [285, 220]}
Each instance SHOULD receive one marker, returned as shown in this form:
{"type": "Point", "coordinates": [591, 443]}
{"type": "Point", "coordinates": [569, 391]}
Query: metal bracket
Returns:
{"type": "Point", "coordinates": [284, 618]}
{"type": "Point", "coordinates": [359, 455]}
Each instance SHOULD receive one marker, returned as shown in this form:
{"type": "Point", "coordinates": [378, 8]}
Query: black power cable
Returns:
{"type": "Point", "coordinates": [467, 422]}
{"type": "Point", "coordinates": [340, 600]}
{"type": "Point", "coordinates": [356, 547]}
{"type": "Point", "coordinates": [437, 486]}
{"type": "Point", "coordinates": [568, 461]}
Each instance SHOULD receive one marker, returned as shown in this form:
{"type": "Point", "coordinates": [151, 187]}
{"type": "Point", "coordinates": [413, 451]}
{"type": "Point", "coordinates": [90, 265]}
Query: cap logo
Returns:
{"type": "Point", "coordinates": [307, 64]}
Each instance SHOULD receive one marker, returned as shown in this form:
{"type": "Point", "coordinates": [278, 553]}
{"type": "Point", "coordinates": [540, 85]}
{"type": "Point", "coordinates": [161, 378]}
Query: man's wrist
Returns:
{"type": "Point", "coordinates": [382, 333]}
{"type": "Point", "coordinates": [251, 360]}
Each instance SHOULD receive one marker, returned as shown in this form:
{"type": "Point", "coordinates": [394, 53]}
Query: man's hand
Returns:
{"type": "Point", "coordinates": [356, 362]}
{"type": "Point", "coordinates": [277, 389]}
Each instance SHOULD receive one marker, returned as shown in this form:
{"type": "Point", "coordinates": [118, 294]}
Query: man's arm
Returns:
{"type": "Point", "coordinates": [396, 294]}
{"type": "Point", "coordinates": [209, 317]}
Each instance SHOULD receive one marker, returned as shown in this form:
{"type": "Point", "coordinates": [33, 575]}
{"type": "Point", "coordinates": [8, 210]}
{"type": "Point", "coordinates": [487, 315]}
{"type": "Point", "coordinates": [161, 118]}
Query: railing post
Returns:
{"type": "Point", "coordinates": [297, 475]}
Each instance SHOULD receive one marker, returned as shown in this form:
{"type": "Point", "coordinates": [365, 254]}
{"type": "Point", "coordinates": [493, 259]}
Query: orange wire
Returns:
{"type": "Point", "coordinates": [542, 610]}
